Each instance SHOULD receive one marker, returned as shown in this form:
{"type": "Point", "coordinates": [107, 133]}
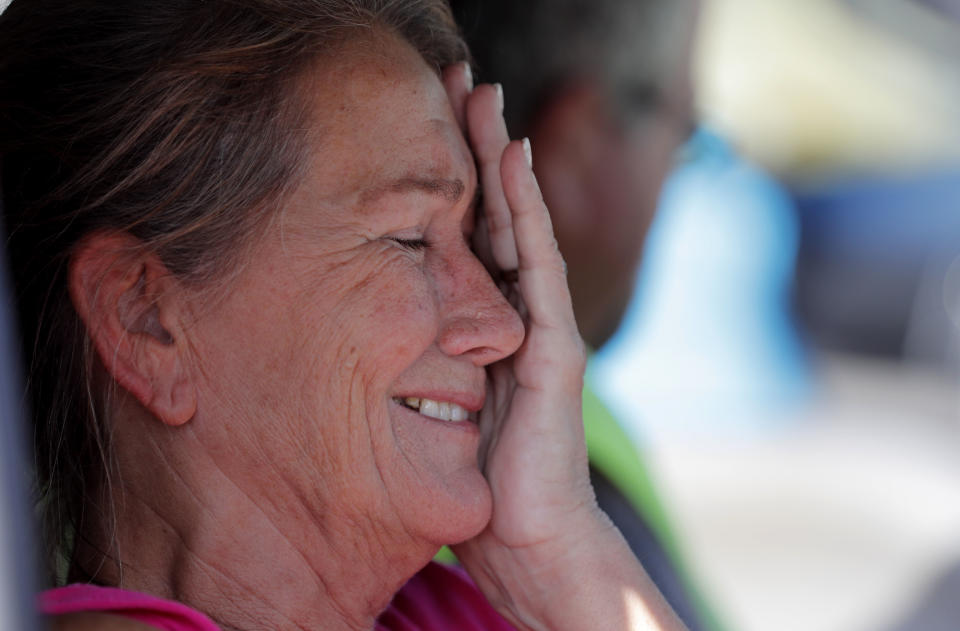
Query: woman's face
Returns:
{"type": "Point", "coordinates": [364, 293]}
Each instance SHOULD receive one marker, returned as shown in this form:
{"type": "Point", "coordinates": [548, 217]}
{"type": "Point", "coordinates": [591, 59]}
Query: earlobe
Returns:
{"type": "Point", "coordinates": [132, 309]}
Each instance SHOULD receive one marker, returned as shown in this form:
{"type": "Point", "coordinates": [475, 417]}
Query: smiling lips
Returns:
{"type": "Point", "coordinates": [441, 410]}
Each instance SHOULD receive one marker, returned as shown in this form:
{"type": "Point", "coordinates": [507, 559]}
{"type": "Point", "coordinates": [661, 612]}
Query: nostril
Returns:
{"type": "Point", "coordinates": [486, 335]}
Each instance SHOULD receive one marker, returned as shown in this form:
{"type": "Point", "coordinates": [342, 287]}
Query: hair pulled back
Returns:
{"type": "Point", "coordinates": [175, 121]}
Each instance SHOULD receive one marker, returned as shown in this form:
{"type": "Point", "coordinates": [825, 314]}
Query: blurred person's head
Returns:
{"type": "Point", "coordinates": [602, 89]}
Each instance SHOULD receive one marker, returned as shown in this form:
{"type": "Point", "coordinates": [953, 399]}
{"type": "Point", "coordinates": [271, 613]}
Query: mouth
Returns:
{"type": "Point", "coordinates": [439, 410]}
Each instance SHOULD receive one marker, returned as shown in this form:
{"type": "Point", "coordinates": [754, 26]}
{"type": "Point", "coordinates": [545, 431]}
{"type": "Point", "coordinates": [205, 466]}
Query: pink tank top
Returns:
{"type": "Point", "coordinates": [438, 598]}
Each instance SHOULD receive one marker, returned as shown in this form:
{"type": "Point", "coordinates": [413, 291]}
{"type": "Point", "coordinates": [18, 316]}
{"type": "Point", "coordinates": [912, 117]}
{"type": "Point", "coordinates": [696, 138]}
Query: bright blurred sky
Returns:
{"type": "Point", "coordinates": [820, 84]}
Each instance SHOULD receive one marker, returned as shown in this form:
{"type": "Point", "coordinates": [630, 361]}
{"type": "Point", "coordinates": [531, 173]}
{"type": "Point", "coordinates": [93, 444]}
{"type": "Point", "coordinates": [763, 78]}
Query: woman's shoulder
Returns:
{"type": "Point", "coordinates": [441, 598]}
{"type": "Point", "coordinates": [80, 607]}
{"type": "Point", "coordinates": [438, 598]}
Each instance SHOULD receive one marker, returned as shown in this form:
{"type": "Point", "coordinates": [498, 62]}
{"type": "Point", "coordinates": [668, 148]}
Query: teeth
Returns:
{"type": "Point", "coordinates": [437, 409]}
{"type": "Point", "coordinates": [430, 408]}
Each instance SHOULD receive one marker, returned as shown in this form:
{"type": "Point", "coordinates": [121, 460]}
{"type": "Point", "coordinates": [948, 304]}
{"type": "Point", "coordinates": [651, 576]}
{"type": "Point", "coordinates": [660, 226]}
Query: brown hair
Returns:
{"type": "Point", "coordinates": [172, 120]}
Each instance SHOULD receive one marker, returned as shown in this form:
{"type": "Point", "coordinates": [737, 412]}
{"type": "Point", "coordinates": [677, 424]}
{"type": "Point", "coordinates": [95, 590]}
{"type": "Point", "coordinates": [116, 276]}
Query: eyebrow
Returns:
{"type": "Point", "coordinates": [450, 190]}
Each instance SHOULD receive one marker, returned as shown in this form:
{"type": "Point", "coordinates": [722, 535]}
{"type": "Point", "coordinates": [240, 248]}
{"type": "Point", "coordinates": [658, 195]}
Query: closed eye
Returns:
{"type": "Point", "coordinates": [412, 244]}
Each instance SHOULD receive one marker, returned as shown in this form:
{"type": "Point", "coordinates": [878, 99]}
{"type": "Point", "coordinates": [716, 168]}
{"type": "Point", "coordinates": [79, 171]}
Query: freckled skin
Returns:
{"type": "Point", "coordinates": [331, 318]}
{"type": "Point", "coordinates": [277, 484]}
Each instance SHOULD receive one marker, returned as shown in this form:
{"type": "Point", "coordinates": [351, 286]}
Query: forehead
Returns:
{"type": "Point", "coordinates": [377, 113]}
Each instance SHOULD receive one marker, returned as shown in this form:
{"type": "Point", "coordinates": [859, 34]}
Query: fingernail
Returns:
{"type": "Point", "coordinates": [528, 152]}
{"type": "Point", "coordinates": [499, 94]}
{"type": "Point", "coordinates": [468, 76]}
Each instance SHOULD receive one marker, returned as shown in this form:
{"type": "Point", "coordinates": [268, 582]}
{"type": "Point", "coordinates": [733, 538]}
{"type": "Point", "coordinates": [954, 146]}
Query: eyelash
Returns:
{"type": "Point", "coordinates": [413, 244]}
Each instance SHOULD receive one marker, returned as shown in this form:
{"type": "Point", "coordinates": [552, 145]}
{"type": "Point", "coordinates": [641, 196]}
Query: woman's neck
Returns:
{"type": "Point", "coordinates": [244, 561]}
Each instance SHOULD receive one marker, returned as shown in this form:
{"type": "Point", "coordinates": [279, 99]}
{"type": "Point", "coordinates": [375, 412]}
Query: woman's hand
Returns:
{"type": "Point", "coordinates": [548, 548]}
{"type": "Point", "coordinates": [533, 451]}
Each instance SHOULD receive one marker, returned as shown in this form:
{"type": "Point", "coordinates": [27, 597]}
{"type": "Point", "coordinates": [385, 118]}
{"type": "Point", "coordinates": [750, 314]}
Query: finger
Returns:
{"type": "Point", "coordinates": [488, 137]}
{"type": "Point", "coordinates": [481, 245]}
{"type": "Point", "coordinates": [458, 81]}
{"type": "Point", "coordinates": [542, 272]}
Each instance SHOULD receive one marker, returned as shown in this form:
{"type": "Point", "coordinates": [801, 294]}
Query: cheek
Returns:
{"type": "Point", "coordinates": [365, 337]}
{"type": "Point", "coordinates": [388, 316]}
{"type": "Point", "coordinates": [304, 371]}
{"type": "Point", "coordinates": [356, 335]}
{"type": "Point", "coordinates": [319, 340]}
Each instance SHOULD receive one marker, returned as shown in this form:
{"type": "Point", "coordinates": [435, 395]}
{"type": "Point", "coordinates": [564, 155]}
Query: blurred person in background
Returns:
{"type": "Point", "coordinates": [603, 90]}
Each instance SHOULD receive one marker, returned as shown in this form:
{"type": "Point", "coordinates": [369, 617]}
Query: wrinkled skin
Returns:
{"type": "Point", "coordinates": [338, 319]}
{"type": "Point", "coordinates": [268, 475]}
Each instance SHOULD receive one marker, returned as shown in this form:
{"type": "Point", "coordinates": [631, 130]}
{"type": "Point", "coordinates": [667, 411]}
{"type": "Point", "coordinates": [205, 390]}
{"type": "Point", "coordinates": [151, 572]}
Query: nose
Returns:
{"type": "Point", "coordinates": [477, 322]}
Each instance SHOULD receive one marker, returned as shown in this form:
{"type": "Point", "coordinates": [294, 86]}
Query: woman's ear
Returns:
{"type": "Point", "coordinates": [134, 310]}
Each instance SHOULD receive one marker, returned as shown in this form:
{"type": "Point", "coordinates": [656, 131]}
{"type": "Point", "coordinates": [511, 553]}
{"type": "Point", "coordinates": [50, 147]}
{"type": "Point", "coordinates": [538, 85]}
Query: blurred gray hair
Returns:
{"type": "Point", "coordinates": [533, 47]}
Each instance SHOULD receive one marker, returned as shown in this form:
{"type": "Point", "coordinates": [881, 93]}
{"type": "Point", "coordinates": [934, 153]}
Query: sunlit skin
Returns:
{"type": "Point", "coordinates": [268, 475]}
{"type": "Point", "coordinates": [362, 291]}
{"type": "Point", "coordinates": [366, 291]}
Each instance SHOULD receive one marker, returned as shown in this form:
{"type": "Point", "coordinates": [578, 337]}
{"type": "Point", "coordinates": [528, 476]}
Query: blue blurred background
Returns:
{"type": "Point", "coordinates": [791, 359]}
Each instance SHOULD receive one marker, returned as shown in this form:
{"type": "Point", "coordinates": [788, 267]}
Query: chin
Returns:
{"type": "Point", "coordinates": [460, 511]}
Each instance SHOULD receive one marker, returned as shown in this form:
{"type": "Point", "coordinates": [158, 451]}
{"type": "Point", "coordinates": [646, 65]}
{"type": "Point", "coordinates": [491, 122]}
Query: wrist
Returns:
{"type": "Point", "coordinates": [591, 580]}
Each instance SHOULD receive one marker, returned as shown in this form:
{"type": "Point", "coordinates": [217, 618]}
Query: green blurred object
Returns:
{"type": "Point", "coordinates": [613, 453]}
{"type": "Point", "coordinates": [446, 555]}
